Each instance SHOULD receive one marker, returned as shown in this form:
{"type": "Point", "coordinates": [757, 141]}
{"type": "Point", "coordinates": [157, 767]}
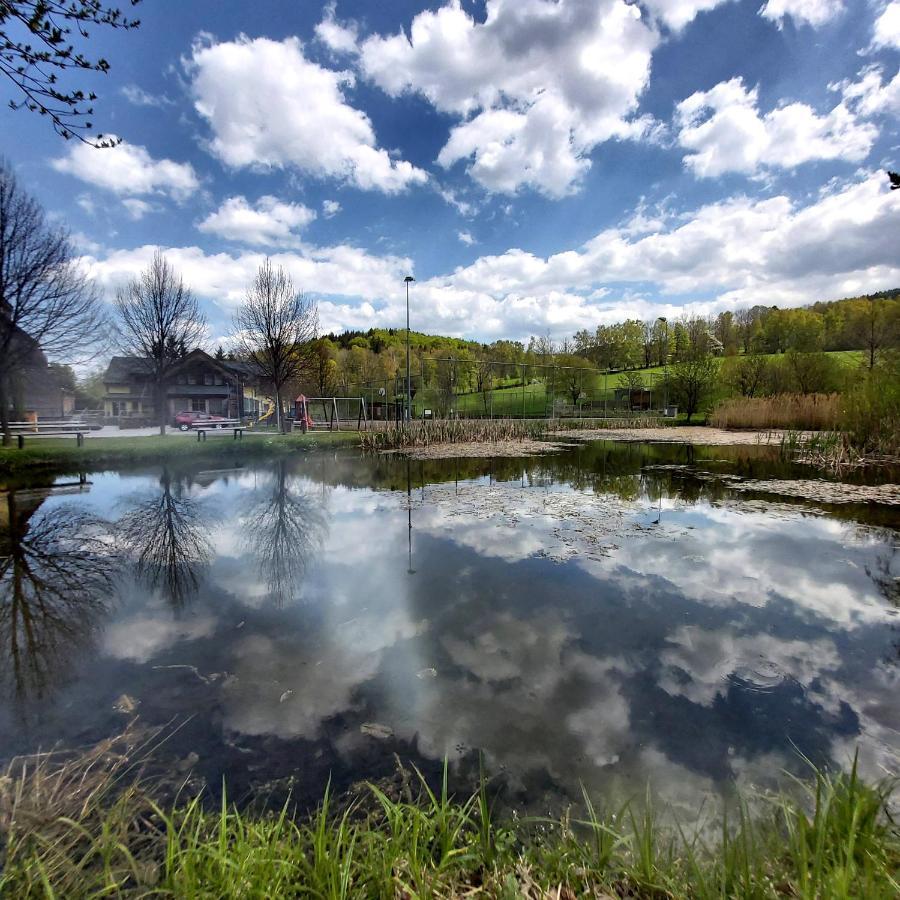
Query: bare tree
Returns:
{"type": "Point", "coordinates": [275, 328]}
{"type": "Point", "coordinates": [48, 305]}
{"type": "Point", "coordinates": [159, 318]}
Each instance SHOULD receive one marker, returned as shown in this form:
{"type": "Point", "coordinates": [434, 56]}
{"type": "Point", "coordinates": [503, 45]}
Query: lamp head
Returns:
{"type": "Point", "coordinates": [408, 279]}
{"type": "Point", "coordinates": [662, 319]}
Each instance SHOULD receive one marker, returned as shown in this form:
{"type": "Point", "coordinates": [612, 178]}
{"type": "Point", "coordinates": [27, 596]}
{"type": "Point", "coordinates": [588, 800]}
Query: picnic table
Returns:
{"type": "Point", "coordinates": [235, 425]}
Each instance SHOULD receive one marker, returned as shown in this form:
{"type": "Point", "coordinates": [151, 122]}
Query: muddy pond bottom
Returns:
{"type": "Point", "coordinates": [613, 616]}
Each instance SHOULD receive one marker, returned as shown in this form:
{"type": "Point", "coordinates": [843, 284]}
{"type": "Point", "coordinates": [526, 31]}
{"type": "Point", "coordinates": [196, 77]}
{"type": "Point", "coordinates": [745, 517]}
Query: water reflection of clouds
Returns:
{"type": "Point", "coordinates": [697, 662]}
{"type": "Point", "coordinates": [568, 634]}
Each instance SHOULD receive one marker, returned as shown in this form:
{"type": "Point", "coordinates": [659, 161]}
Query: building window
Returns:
{"type": "Point", "coordinates": [192, 379]}
{"type": "Point", "coordinates": [181, 379]}
{"type": "Point", "coordinates": [220, 379]}
{"type": "Point", "coordinates": [198, 405]}
{"type": "Point", "coordinates": [207, 378]}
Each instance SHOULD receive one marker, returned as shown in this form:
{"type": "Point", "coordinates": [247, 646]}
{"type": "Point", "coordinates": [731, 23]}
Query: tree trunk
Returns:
{"type": "Point", "coordinates": [161, 407]}
{"type": "Point", "coordinates": [4, 411]}
{"type": "Point", "coordinates": [278, 422]}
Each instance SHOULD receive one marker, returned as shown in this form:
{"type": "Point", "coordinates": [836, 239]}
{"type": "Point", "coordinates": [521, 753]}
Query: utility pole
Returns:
{"type": "Point", "coordinates": [407, 281]}
{"type": "Point", "coordinates": [665, 323]}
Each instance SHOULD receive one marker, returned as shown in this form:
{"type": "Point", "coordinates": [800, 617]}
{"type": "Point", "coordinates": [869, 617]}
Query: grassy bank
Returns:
{"type": "Point", "coordinates": [64, 832]}
{"type": "Point", "coordinates": [63, 454]}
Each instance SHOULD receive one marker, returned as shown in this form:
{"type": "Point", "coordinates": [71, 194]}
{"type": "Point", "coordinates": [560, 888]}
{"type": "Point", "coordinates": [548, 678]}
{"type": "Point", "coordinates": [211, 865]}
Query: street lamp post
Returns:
{"type": "Point", "coordinates": [408, 280]}
{"type": "Point", "coordinates": [665, 323]}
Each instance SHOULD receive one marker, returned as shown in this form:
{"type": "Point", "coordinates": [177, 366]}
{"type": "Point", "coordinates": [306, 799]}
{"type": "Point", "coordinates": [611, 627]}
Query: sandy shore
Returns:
{"type": "Point", "coordinates": [467, 449]}
{"type": "Point", "coordinates": [677, 434]}
{"type": "Point", "coordinates": [559, 440]}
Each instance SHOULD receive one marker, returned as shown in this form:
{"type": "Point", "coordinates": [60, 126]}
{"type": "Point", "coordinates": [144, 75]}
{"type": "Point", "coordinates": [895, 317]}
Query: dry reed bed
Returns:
{"type": "Point", "coordinates": [482, 431]}
{"type": "Point", "coordinates": [813, 412]}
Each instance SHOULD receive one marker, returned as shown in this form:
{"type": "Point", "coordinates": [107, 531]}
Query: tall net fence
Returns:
{"type": "Point", "coordinates": [445, 387]}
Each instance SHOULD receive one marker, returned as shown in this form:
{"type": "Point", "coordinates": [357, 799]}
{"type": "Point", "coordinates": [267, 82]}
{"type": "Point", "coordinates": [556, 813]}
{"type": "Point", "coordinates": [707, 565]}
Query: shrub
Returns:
{"type": "Point", "coordinates": [870, 409]}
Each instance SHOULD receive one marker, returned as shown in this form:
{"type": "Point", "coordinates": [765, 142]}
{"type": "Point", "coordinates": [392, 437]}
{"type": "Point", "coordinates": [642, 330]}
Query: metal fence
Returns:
{"type": "Point", "coordinates": [463, 388]}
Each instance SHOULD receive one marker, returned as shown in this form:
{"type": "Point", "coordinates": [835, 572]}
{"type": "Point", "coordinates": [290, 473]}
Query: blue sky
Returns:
{"type": "Point", "coordinates": [538, 165]}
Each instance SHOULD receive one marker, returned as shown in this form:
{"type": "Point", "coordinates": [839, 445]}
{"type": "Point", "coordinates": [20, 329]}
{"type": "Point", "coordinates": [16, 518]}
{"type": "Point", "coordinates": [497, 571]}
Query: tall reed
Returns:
{"type": "Point", "coordinates": [454, 431]}
{"type": "Point", "coordinates": [815, 412]}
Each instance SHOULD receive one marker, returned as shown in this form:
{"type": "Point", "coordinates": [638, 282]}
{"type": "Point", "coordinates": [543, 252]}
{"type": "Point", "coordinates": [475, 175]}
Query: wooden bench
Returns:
{"type": "Point", "coordinates": [234, 425]}
{"type": "Point", "coordinates": [23, 430]}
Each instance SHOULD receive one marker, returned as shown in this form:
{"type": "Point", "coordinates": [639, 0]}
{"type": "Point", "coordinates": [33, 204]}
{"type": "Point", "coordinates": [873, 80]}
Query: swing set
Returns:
{"type": "Point", "coordinates": [331, 413]}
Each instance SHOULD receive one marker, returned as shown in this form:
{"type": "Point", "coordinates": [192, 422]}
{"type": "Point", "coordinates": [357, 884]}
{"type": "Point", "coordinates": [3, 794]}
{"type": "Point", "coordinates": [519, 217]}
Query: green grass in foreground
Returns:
{"type": "Point", "coordinates": [62, 453]}
{"type": "Point", "coordinates": [64, 838]}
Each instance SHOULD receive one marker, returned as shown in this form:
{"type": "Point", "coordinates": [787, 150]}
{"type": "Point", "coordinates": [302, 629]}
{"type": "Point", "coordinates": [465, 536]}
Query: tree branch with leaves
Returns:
{"type": "Point", "coordinates": [38, 45]}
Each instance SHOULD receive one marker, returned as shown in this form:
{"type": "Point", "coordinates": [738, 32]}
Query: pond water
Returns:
{"type": "Point", "coordinates": [612, 616]}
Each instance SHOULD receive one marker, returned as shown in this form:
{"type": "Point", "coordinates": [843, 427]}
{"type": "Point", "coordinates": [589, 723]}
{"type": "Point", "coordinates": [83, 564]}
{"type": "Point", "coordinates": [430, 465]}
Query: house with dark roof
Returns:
{"type": "Point", "coordinates": [198, 382]}
{"type": "Point", "coordinates": [36, 388]}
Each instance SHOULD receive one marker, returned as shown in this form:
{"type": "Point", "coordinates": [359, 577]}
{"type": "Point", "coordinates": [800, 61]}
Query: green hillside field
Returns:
{"type": "Point", "coordinates": [508, 400]}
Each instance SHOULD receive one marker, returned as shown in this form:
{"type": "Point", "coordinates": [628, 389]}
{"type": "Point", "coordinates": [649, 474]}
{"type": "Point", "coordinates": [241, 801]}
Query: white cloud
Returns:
{"type": "Point", "coordinates": [737, 251]}
{"type": "Point", "coordinates": [537, 85]}
{"type": "Point", "coordinates": [330, 208]}
{"type": "Point", "coordinates": [887, 26]}
{"type": "Point", "coordinates": [270, 107]}
{"type": "Point", "coordinates": [137, 96]}
{"type": "Point", "coordinates": [724, 132]}
{"type": "Point", "coordinates": [465, 237]}
{"type": "Point", "coordinates": [136, 207]}
{"type": "Point", "coordinates": [338, 37]}
{"type": "Point", "coordinates": [341, 271]}
{"type": "Point", "coordinates": [678, 13]}
{"type": "Point", "coordinates": [804, 12]}
{"type": "Point", "coordinates": [128, 170]}
{"type": "Point", "coordinates": [267, 223]}
{"type": "Point", "coordinates": [871, 95]}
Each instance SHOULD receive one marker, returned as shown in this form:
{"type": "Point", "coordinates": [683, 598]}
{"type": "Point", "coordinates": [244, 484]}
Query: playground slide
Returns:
{"type": "Point", "coordinates": [269, 412]}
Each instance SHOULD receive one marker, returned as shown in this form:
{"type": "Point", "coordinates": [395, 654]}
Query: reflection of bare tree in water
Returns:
{"type": "Point", "coordinates": [284, 529]}
{"type": "Point", "coordinates": [56, 577]}
{"type": "Point", "coordinates": [165, 534]}
{"type": "Point", "coordinates": [884, 579]}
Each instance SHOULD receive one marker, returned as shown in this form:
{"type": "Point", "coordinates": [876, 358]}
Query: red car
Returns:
{"type": "Point", "coordinates": [184, 420]}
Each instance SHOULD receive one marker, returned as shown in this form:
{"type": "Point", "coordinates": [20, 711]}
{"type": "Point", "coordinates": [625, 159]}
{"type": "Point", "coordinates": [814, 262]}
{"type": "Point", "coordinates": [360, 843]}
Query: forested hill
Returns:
{"type": "Point", "coordinates": [835, 315]}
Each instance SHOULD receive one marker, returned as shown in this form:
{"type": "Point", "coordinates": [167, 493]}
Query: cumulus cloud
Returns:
{"type": "Point", "coordinates": [465, 237]}
{"type": "Point", "coordinates": [678, 13]}
{"type": "Point", "coordinates": [341, 271]}
{"type": "Point", "coordinates": [887, 26]}
{"type": "Point", "coordinates": [340, 37]}
{"type": "Point", "coordinates": [128, 170]}
{"type": "Point", "coordinates": [871, 95]}
{"type": "Point", "coordinates": [269, 222]}
{"type": "Point", "coordinates": [536, 86]}
{"type": "Point", "coordinates": [330, 208]}
{"type": "Point", "coordinates": [724, 131]}
{"type": "Point", "coordinates": [737, 251]}
{"type": "Point", "coordinates": [269, 107]}
{"type": "Point", "coordinates": [804, 12]}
